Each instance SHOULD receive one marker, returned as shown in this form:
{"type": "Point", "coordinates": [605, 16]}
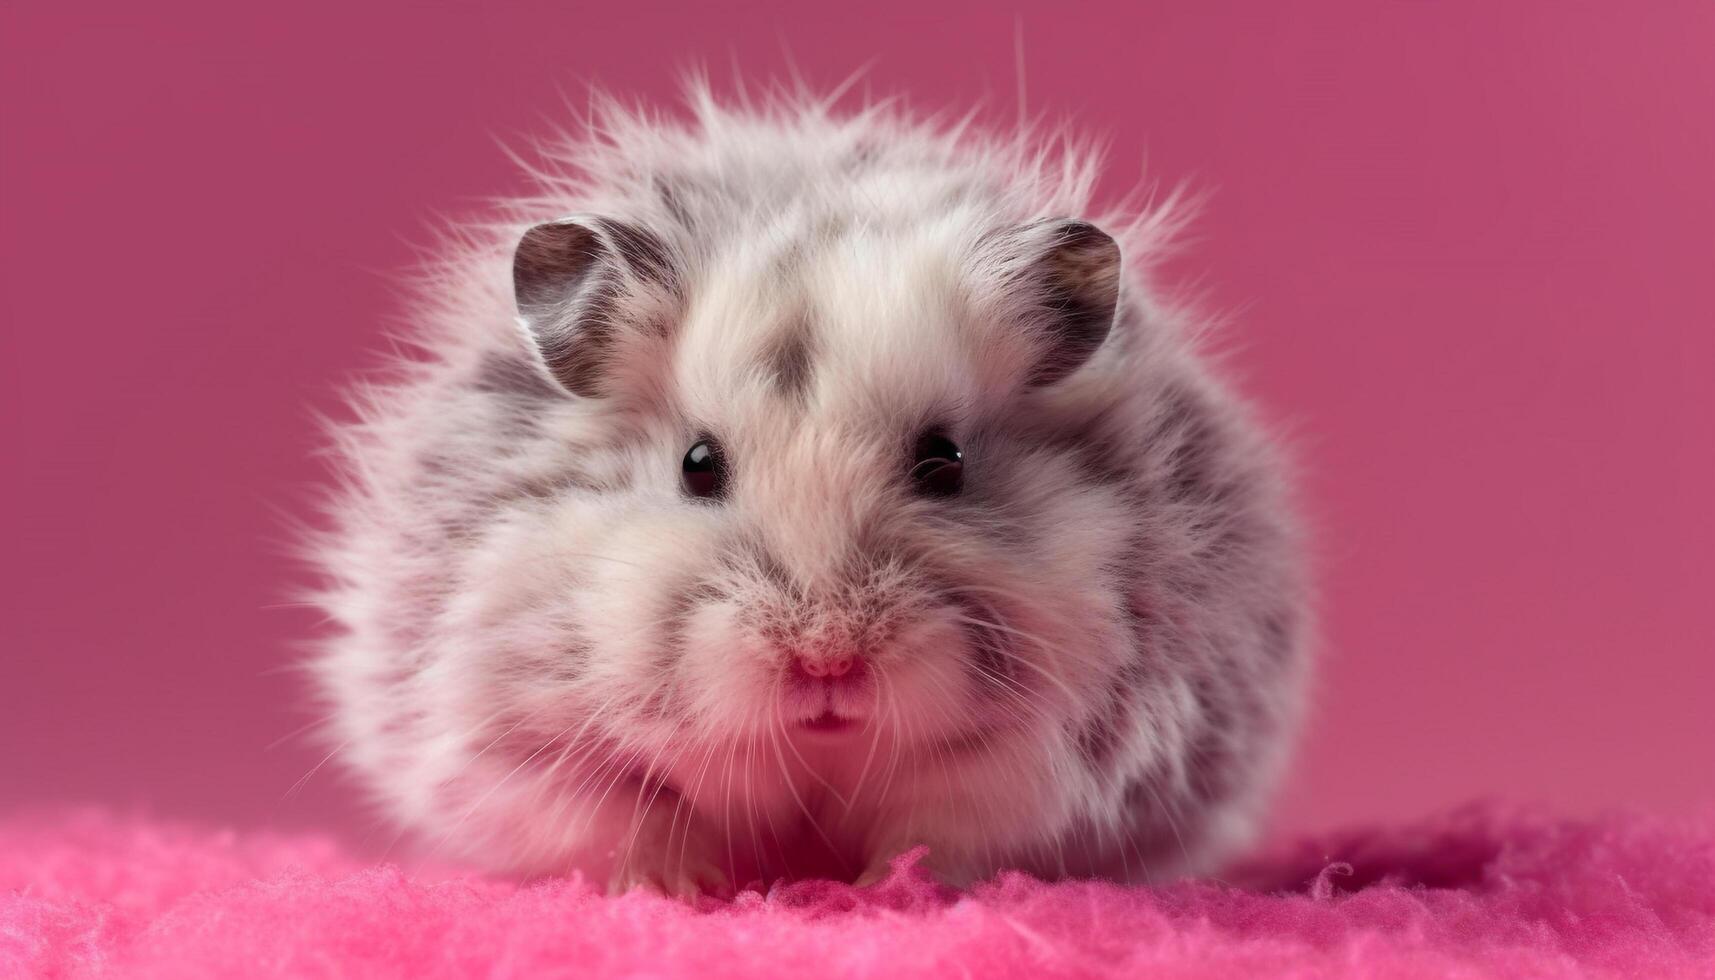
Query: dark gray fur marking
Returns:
{"type": "Point", "coordinates": [644, 253]}
{"type": "Point", "coordinates": [1191, 472]}
{"type": "Point", "coordinates": [789, 360]}
{"type": "Point", "coordinates": [991, 653]}
{"type": "Point", "coordinates": [670, 192]}
{"type": "Point", "coordinates": [1103, 732]}
{"type": "Point", "coordinates": [1100, 453]}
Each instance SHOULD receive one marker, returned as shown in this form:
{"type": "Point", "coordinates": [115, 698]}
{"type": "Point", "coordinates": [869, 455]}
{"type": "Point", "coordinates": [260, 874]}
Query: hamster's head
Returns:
{"type": "Point", "coordinates": [827, 493]}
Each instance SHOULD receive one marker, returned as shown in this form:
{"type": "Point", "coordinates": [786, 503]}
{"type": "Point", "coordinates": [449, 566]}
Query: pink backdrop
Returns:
{"type": "Point", "coordinates": [1469, 249]}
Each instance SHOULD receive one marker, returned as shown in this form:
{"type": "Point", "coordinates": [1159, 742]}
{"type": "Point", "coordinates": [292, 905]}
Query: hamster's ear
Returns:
{"type": "Point", "coordinates": [1060, 278]}
{"type": "Point", "coordinates": [569, 278]}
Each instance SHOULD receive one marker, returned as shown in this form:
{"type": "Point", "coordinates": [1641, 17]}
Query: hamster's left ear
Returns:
{"type": "Point", "coordinates": [1060, 279]}
{"type": "Point", "coordinates": [580, 283]}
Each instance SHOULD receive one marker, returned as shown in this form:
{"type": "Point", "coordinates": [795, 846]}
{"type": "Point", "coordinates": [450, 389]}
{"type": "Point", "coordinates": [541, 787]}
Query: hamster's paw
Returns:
{"type": "Point", "coordinates": [686, 880]}
{"type": "Point", "coordinates": [675, 869]}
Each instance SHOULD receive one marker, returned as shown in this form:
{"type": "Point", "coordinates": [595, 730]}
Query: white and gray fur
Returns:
{"type": "Point", "coordinates": [550, 659]}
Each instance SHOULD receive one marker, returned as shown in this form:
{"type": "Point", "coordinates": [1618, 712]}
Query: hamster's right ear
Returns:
{"type": "Point", "coordinates": [569, 278]}
{"type": "Point", "coordinates": [1058, 278]}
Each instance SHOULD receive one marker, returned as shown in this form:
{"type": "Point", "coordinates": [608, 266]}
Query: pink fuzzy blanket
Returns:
{"type": "Point", "coordinates": [1473, 894]}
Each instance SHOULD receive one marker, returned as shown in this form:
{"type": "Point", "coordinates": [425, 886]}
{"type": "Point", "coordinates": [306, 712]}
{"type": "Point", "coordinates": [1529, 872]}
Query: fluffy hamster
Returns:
{"type": "Point", "coordinates": [779, 490]}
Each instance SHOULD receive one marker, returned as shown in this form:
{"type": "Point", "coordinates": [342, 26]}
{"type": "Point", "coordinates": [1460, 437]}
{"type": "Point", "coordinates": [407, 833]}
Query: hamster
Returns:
{"type": "Point", "coordinates": [781, 489]}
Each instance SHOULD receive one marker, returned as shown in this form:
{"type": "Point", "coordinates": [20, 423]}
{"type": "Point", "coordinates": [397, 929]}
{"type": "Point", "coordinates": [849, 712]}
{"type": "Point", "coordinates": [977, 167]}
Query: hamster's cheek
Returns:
{"type": "Point", "coordinates": [654, 602]}
{"type": "Point", "coordinates": [927, 688]}
{"type": "Point", "coordinates": [591, 575]}
{"type": "Point", "coordinates": [729, 682]}
{"type": "Point", "coordinates": [626, 553]}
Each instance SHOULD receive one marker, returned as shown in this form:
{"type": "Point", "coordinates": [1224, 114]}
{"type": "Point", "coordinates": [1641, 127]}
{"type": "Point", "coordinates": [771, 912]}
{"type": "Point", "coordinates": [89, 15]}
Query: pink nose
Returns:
{"type": "Point", "coordinates": [836, 666]}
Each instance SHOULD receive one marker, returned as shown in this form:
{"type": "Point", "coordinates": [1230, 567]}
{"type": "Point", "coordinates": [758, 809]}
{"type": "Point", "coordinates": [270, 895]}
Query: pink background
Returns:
{"type": "Point", "coordinates": [1469, 250]}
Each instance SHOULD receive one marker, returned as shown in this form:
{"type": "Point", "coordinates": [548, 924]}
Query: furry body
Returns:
{"type": "Point", "coordinates": [1086, 661]}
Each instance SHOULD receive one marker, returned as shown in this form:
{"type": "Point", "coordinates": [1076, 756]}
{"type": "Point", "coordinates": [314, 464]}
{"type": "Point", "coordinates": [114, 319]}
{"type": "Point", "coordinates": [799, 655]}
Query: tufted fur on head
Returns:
{"type": "Point", "coordinates": [987, 559]}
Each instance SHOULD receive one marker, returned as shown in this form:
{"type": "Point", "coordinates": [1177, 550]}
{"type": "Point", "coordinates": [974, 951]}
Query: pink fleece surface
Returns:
{"type": "Point", "coordinates": [1475, 893]}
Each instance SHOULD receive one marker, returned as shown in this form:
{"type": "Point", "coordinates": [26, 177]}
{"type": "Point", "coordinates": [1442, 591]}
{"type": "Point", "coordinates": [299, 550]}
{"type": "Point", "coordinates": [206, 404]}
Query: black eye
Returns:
{"type": "Point", "coordinates": [704, 469]}
{"type": "Point", "coordinates": [938, 468]}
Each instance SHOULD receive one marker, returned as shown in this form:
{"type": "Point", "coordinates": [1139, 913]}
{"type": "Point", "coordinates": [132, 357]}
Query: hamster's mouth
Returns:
{"type": "Point", "coordinates": [826, 704]}
{"type": "Point", "coordinates": [829, 723]}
